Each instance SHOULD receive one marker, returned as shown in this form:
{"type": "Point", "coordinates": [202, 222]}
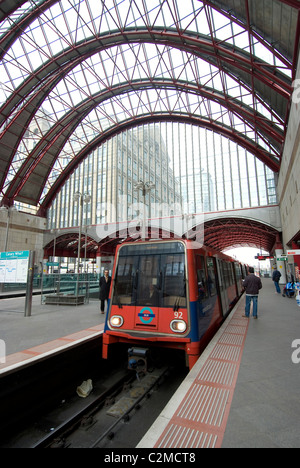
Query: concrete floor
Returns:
{"type": "Point", "coordinates": [265, 410]}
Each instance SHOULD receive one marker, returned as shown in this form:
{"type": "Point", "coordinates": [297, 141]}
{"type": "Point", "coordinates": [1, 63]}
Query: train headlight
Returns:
{"type": "Point", "coordinates": [116, 321]}
{"type": "Point", "coordinates": [178, 326]}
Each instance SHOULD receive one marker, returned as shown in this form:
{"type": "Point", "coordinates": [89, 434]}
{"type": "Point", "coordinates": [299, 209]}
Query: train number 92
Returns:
{"type": "Point", "coordinates": [178, 315]}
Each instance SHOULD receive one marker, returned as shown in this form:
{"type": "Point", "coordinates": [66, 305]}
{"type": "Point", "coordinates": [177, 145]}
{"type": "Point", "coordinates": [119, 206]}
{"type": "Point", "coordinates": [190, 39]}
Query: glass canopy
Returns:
{"type": "Point", "coordinates": [76, 72]}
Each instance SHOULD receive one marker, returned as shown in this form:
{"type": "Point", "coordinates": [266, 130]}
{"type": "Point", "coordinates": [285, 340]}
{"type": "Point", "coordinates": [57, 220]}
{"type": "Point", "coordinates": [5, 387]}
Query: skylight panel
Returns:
{"type": "Point", "coordinates": [59, 29]}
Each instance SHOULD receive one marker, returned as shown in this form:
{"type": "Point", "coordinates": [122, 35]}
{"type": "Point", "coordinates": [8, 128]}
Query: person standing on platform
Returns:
{"type": "Point", "coordinates": [252, 284]}
{"type": "Point", "coordinates": [104, 285]}
{"type": "Point", "coordinates": [276, 277]}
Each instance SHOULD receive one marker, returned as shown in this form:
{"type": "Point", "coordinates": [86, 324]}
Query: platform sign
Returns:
{"type": "Point", "coordinates": [14, 266]}
{"type": "Point", "coordinates": [293, 252]}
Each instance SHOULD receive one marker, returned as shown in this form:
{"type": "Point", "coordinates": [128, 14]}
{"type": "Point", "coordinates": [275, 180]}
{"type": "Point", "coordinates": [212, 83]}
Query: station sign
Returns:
{"type": "Point", "coordinates": [264, 257]}
{"type": "Point", "coordinates": [14, 266]}
{"type": "Point", "coordinates": [293, 252]}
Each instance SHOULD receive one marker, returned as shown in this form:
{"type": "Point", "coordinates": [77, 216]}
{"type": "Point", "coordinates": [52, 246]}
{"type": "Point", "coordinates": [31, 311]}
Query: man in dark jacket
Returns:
{"type": "Point", "coordinates": [276, 277]}
{"type": "Point", "coordinates": [104, 285]}
{"type": "Point", "coordinates": [252, 285]}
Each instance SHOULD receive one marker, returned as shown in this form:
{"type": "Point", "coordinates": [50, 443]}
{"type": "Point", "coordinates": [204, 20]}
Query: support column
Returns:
{"type": "Point", "coordinates": [296, 261]}
{"type": "Point", "coordinates": [98, 261]}
{"type": "Point", "coordinates": [45, 261]}
{"type": "Point", "coordinates": [280, 264]}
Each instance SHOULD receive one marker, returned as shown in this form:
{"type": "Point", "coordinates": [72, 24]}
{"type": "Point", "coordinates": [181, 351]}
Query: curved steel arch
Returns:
{"type": "Point", "coordinates": [40, 84]}
{"type": "Point", "coordinates": [11, 137]}
{"type": "Point", "coordinates": [197, 44]}
{"type": "Point", "coordinates": [61, 131]}
{"type": "Point", "coordinates": [220, 235]}
{"type": "Point", "coordinates": [237, 14]}
{"type": "Point", "coordinates": [21, 24]}
{"type": "Point", "coordinates": [225, 233]}
{"type": "Point", "coordinates": [263, 80]}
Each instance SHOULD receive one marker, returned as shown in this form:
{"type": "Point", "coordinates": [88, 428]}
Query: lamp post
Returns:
{"type": "Point", "coordinates": [80, 199]}
{"type": "Point", "coordinates": [8, 211]}
{"type": "Point", "coordinates": [146, 187]}
{"type": "Point", "coordinates": [55, 232]}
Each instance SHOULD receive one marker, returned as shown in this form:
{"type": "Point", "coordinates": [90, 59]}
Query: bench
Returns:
{"type": "Point", "coordinates": [64, 299]}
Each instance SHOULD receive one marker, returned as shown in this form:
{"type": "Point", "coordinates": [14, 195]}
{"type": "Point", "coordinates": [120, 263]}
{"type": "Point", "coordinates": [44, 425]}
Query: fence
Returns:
{"type": "Point", "coordinates": [70, 289]}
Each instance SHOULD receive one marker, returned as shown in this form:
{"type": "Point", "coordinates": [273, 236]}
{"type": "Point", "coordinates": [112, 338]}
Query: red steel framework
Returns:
{"type": "Point", "coordinates": [256, 75]}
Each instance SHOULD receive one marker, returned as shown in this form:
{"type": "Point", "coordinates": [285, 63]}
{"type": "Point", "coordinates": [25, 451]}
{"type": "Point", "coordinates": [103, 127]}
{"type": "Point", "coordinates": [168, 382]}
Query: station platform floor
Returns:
{"type": "Point", "coordinates": [49, 327]}
{"type": "Point", "coordinates": [244, 391]}
{"type": "Point", "coordinates": [265, 410]}
{"type": "Point", "coordinates": [263, 404]}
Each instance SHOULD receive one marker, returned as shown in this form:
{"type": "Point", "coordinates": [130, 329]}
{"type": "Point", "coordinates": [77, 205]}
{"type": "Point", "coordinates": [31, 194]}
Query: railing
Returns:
{"type": "Point", "coordinates": [69, 289]}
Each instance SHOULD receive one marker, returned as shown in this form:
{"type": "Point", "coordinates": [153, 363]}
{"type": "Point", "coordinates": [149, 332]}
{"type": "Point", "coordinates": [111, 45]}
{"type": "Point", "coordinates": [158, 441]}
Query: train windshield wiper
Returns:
{"type": "Point", "coordinates": [182, 295]}
{"type": "Point", "coordinates": [176, 304]}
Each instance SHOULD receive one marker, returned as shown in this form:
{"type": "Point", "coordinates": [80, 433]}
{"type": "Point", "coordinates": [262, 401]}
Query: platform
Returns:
{"type": "Point", "coordinates": [49, 329]}
{"type": "Point", "coordinates": [244, 390]}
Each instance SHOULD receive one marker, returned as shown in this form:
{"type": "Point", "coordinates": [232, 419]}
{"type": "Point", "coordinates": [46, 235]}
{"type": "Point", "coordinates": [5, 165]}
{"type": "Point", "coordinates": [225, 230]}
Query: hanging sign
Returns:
{"type": "Point", "coordinates": [293, 252]}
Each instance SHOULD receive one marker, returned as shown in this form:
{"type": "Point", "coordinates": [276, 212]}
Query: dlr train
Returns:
{"type": "Point", "coordinates": [169, 294]}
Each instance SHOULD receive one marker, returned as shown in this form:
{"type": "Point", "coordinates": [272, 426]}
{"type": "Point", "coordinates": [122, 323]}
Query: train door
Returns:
{"type": "Point", "coordinates": [232, 288]}
{"type": "Point", "coordinates": [222, 286]}
{"type": "Point", "coordinates": [207, 304]}
{"type": "Point", "coordinates": [202, 282]}
{"type": "Point", "coordinates": [238, 277]}
{"type": "Point", "coordinates": [213, 286]}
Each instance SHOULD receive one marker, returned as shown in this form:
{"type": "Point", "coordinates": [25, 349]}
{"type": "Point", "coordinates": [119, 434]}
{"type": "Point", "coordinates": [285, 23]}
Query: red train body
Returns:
{"type": "Point", "coordinates": [170, 295]}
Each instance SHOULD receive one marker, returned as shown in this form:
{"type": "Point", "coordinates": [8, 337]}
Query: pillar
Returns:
{"type": "Point", "coordinates": [296, 261]}
{"type": "Point", "coordinates": [98, 261]}
{"type": "Point", "coordinates": [280, 263]}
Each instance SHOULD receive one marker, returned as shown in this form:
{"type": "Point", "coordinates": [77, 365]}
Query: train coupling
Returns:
{"type": "Point", "coordinates": [137, 359]}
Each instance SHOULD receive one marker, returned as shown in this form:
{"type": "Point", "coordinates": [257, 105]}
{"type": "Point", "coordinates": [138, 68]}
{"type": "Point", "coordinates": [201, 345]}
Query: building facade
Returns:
{"type": "Point", "coordinates": [191, 168]}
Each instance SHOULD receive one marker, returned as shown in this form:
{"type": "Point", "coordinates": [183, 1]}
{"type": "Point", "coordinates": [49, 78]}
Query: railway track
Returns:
{"type": "Point", "coordinates": [109, 413]}
{"type": "Point", "coordinates": [118, 404]}
{"type": "Point", "coordinates": [83, 416]}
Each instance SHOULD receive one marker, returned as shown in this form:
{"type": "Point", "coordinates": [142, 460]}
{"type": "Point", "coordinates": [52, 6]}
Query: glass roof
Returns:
{"type": "Point", "coordinates": [72, 70]}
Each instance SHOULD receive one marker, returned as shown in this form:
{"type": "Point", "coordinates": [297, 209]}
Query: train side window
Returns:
{"type": "Point", "coordinates": [220, 274]}
{"type": "Point", "coordinates": [238, 271]}
{"type": "Point", "coordinates": [174, 287]}
{"type": "Point", "coordinates": [201, 277]}
{"type": "Point", "coordinates": [232, 280]}
{"type": "Point", "coordinates": [227, 274]}
{"type": "Point", "coordinates": [224, 281]}
{"type": "Point", "coordinates": [211, 277]}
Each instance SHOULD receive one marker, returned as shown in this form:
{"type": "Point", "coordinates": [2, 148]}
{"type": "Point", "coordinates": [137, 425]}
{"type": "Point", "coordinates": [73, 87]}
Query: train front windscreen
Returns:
{"type": "Point", "coordinates": [151, 274]}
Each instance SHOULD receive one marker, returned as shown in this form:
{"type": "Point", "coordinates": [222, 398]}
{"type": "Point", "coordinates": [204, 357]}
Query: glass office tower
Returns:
{"type": "Point", "coordinates": [188, 165]}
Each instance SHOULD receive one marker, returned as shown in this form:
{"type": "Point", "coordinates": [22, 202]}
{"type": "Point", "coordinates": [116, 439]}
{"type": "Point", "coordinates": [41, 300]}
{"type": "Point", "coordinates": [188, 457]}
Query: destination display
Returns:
{"type": "Point", "coordinates": [14, 266]}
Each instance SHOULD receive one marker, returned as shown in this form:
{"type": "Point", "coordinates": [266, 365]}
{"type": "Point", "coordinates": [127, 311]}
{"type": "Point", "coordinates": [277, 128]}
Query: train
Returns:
{"type": "Point", "coordinates": [169, 294]}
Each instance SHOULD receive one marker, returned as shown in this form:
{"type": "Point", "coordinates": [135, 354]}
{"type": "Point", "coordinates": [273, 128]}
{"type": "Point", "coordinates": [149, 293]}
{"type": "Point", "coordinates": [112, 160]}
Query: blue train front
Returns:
{"type": "Point", "coordinates": [169, 295]}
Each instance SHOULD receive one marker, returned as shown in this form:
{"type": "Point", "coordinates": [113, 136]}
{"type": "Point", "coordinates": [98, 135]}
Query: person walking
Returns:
{"type": "Point", "coordinates": [104, 285]}
{"type": "Point", "coordinates": [276, 277]}
{"type": "Point", "coordinates": [252, 284]}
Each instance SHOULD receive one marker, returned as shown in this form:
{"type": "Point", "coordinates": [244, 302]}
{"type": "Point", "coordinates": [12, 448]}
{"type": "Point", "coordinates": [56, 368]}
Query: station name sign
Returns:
{"type": "Point", "coordinates": [14, 266]}
{"type": "Point", "coordinates": [263, 257]}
